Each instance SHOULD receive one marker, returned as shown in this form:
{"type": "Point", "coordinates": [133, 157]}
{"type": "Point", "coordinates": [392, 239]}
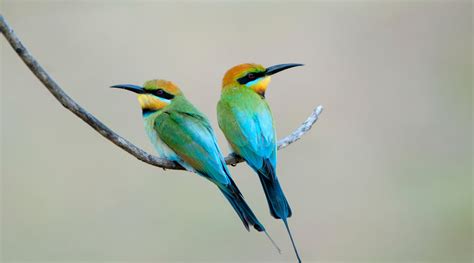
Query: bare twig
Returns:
{"type": "Point", "coordinates": [97, 125]}
{"type": "Point", "coordinates": [304, 128]}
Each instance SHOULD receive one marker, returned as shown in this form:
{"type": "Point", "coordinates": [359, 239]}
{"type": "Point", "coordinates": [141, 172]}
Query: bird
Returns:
{"type": "Point", "coordinates": [181, 133]}
{"type": "Point", "coordinates": [245, 118]}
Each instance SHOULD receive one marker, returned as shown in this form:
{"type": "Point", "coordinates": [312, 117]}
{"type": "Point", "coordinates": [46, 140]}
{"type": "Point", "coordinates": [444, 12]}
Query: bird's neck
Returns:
{"type": "Point", "coordinates": [179, 103]}
{"type": "Point", "coordinates": [240, 91]}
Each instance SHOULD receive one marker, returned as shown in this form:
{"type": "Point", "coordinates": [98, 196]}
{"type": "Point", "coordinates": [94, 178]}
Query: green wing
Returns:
{"type": "Point", "coordinates": [191, 137]}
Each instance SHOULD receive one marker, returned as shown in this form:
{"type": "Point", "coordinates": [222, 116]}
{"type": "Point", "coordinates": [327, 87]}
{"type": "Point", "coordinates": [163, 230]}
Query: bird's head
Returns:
{"type": "Point", "coordinates": [154, 95]}
{"type": "Point", "coordinates": [252, 76]}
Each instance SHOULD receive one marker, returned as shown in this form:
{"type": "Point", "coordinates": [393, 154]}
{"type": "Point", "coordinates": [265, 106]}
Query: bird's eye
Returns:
{"type": "Point", "coordinates": [162, 94]}
{"type": "Point", "coordinates": [251, 76]}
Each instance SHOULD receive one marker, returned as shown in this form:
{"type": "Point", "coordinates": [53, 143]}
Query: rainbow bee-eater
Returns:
{"type": "Point", "coordinates": [181, 133]}
{"type": "Point", "coordinates": [246, 120]}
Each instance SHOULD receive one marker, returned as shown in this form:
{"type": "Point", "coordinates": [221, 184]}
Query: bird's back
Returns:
{"type": "Point", "coordinates": [246, 120]}
{"type": "Point", "coordinates": [187, 132]}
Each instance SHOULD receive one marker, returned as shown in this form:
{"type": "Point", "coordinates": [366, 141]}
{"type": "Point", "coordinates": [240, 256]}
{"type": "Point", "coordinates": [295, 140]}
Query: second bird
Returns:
{"type": "Point", "coordinates": [246, 120]}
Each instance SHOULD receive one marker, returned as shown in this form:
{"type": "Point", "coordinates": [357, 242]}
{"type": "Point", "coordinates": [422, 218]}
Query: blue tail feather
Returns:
{"type": "Point", "coordinates": [235, 198]}
{"type": "Point", "coordinates": [292, 241]}
{"type": "Point", "coordinates": [279, 207]}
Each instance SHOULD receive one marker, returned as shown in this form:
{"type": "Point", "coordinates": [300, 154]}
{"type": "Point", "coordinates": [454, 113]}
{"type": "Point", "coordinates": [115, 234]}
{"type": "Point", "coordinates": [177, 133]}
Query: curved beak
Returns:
{"type": "Point", "coordinates": [130, 87]}
{"type": "Point", "coordinates": [280, 67]}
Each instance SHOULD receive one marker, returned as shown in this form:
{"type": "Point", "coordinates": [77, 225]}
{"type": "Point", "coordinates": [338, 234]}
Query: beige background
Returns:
{"type": "Point", "coordinates": [385, 175]}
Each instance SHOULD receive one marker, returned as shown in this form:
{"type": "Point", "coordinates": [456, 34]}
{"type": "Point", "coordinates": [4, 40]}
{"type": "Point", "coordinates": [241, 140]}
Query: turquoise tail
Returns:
{"type": "Point", "coordinates": [235, 198]}
{"type": "Point", "coordinates": [279, 207]}
{"type": "Point", "coordinates": [243, 210]}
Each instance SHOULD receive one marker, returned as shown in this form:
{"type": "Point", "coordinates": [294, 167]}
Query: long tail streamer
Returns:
{"type": "Point", "coordinates": [292, 241]}
{"type": "Point", "coordinates": [273, 242]}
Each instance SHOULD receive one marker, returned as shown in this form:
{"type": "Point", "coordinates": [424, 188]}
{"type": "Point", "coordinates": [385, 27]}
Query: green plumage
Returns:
{"type": "Point", "coordinates": [188, 134]}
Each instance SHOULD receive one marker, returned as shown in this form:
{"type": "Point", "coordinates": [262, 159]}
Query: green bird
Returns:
{"type": "Point", "coordinates": [181, 133]}
{"type": "Point", "coordinates": [246, 120]}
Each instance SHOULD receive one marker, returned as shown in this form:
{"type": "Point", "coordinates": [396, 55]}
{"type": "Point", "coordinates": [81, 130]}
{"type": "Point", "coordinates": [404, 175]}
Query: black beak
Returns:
{"type": "Point", "coordinates": [277, 68]}
{"type": "Point", "coordinates": [130, 87]}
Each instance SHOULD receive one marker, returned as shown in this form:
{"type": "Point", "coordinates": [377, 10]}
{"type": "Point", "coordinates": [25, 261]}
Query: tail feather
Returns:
{"type": "Point", "coordinates": [235, 198]}
{"type": "Point", "coordinates": [291, 238]}
{"type": "Point", "coordinates": [279, 207]}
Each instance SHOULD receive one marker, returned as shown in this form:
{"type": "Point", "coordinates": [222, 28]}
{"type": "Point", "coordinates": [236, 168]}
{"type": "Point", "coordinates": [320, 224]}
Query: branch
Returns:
{"type": "Point", "coordinates": [97, 125]}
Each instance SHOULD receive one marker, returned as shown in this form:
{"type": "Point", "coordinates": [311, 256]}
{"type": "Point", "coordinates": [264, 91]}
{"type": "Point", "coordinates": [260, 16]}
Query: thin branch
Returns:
{"type": "Point", "coordinates": [304, 128]}
{"type": "Point", "coordinates": [97, 125]}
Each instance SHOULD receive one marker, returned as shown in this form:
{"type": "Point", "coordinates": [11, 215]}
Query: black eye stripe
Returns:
{"type": "Point", "coordinates": [162, 94]}
{"type": "Point", "coordinates": [250, 77]}
{"type": "Point", "coordinates": [147, 112]}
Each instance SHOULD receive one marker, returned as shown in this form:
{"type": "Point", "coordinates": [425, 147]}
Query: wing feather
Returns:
{"type": "Point", "coordinates": [193, 140]}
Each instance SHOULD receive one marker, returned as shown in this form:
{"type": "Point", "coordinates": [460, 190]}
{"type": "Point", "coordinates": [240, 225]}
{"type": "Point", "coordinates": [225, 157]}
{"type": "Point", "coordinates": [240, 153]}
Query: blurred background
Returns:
{"type": "Point", "coordinates": [384, 176]}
